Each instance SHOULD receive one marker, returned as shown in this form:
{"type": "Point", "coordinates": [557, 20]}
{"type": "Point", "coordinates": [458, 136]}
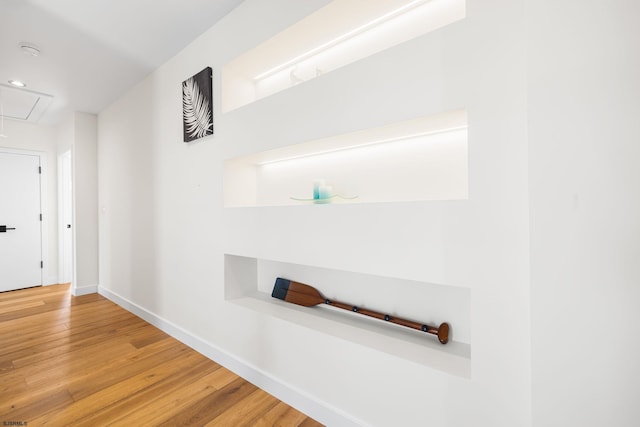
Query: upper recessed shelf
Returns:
{"type": "Point", "coordinates": [336, 35]}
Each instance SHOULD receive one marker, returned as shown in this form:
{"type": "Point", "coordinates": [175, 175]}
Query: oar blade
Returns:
{"type": "Point", "coordinates": [296, 293]}
{"type": "Point", "coordinates": [281, 288]}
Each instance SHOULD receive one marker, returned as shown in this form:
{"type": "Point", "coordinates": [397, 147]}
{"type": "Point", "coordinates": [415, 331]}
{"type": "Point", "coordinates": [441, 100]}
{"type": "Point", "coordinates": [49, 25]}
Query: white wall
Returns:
{"type": "Point", "coordinates": [584, 104]}
{"type": "Point", "coordinates": [547, 242]}
{"type": "Point", "coordinates": [164, 230]}
{"type": "Point", "coordinates": [42, 138]}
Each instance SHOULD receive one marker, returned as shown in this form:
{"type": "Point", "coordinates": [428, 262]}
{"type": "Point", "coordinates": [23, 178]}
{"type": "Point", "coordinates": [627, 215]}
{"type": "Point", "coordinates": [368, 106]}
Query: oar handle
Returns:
{"type": "Point", "coordinates": [442, 331]}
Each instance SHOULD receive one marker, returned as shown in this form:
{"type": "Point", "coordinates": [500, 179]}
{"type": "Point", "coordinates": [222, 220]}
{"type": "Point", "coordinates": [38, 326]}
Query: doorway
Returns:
{"type": "Point", "coordinates": [65, 212]}
{"type": "Point", "coordinates": [21, 262]}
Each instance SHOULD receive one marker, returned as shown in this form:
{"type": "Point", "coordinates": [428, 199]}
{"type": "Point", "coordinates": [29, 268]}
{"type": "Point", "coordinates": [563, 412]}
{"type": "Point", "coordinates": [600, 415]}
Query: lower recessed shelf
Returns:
{"type": "Point", "coordinates": [249, 281]}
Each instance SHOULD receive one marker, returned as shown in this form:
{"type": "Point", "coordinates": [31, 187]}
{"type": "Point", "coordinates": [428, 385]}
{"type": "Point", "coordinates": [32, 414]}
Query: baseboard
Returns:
{"type": "Point", "coordinates": [51, 280]}
{"type": "Point", "coordinates": [292, 396]}
{"type": "Point", "coordinates": [84, 290]}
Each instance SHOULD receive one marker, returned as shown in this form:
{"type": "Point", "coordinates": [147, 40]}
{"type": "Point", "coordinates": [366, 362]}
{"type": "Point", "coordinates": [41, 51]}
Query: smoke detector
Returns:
{"type": "Point", "coordinates": [29, 49]}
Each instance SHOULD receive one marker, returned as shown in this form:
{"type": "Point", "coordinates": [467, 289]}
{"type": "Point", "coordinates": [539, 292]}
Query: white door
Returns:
{"type": "Point", "coordinates": [20, 221]}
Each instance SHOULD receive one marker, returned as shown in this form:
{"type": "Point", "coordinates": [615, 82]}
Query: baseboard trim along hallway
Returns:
{"type": "Point", "coordinates": [314, 408]}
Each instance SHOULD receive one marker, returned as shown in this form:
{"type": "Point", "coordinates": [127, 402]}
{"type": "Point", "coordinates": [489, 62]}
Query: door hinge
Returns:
{"type": "Point", "coordinates": [41, 264]}
{"type": "Point", "coordinates": [40, 217]}
{"type": "Point", "coordinates": [40, 170]}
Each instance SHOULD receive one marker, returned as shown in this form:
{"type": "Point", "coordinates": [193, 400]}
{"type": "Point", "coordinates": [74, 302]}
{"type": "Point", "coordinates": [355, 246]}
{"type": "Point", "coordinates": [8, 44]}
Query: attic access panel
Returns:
{"type": "Point", "coordinates": [23, 104]}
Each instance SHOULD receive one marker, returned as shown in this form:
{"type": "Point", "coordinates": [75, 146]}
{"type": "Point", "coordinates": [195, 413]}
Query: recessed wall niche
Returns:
{"type": "Point", "coordinates": [336, 35]}
{"type": "Point", "coordinates": [249, 282]}
{"type": "Point", "coordinates": [414, 160]}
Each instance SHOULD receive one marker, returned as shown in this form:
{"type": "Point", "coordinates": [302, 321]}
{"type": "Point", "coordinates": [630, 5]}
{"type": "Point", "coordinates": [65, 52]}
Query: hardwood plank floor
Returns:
{"type": "Point", "coordinates": [85, 361]}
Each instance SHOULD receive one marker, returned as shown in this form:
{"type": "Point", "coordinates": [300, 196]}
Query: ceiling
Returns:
{"type": "Point", "coordinates": [92, 51]}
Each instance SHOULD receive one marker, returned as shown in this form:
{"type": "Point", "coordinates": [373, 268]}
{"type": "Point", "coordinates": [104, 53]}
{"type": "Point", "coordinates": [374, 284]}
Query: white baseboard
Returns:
{"type": "Point", "coordinates": [51, 280]}
{"type": "Point", "coordinates": [84, 290]}
{"type": "Point", "coordinates": [292, 396]}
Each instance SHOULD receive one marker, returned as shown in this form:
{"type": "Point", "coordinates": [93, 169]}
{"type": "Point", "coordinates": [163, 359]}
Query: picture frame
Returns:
{"type": "Point", "coordinates": [197, 106]}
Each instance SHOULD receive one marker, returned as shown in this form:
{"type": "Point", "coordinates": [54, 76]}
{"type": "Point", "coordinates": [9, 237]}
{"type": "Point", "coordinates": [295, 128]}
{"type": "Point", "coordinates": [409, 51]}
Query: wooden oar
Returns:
{"type": "Point", "coordinates": [305, 295]}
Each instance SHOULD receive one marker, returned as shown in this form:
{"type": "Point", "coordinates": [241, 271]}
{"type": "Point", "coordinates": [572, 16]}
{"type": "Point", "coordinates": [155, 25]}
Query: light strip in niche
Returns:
{"type": "Point", "coordinates": [365, 144]}
{"type": "Point", "coordinates": [344, 37]}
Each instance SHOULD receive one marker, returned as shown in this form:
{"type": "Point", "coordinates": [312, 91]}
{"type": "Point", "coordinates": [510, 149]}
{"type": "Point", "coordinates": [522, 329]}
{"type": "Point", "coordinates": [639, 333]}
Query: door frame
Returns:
{"type": "Point", "coordinates": [61, 221]}
{"type": "Point", "coordinates": [44, 224]}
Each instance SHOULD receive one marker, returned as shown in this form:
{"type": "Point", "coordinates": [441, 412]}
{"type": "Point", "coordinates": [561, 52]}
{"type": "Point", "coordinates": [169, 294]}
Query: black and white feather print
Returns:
{"type": "Point", "coordinates": [197, 109]}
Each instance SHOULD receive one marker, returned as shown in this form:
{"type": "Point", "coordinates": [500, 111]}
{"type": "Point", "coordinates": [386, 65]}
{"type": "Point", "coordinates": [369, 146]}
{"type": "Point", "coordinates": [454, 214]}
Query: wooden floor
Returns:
{"type": "Point", "coordinates": [84, 361]}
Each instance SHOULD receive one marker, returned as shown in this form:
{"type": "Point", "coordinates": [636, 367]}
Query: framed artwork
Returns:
{"type": "Point", "coordinates": [197, 106]}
